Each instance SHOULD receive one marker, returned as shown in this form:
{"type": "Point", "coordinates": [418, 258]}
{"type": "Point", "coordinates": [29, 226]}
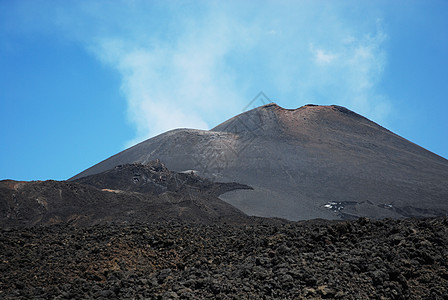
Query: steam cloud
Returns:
{"type": "Point", "coordinates": [195, 65]}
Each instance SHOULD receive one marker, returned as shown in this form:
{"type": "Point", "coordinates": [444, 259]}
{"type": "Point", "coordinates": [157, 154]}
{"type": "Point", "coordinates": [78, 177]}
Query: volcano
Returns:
{"type": "Point", "coordinates": [311, 162]}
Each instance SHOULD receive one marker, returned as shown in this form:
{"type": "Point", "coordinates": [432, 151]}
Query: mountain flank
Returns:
{"type": "Point", "coordinates": [311, 162]}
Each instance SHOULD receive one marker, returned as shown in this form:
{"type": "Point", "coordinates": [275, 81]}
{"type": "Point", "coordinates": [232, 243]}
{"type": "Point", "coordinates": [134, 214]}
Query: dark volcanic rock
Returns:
{"type": "Point", "coordinates": [155, 178]}
{"type": "Point", "coordinates": [311, 162]}
{"type": "Point", "coordinates": [362, 259]}
{"type": "Point", "coordinates": [128, 193]}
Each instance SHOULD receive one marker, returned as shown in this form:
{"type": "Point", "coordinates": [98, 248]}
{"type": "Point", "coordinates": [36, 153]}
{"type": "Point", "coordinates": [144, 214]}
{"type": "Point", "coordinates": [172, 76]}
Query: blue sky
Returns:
{"type": "Point", "coordinates": [83, 80]}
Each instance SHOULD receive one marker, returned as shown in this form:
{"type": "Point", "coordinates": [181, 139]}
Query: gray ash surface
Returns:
{"type": "Point", "coordinates": [385, 259]}
{"type": "Point", "coordinates": [298, 160]}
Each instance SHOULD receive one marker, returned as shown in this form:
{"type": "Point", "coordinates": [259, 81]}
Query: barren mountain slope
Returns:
{"type": "Point", "coordinates": [311, 162]}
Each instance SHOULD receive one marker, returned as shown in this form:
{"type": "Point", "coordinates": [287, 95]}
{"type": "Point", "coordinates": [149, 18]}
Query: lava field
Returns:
{"type": "Point", "coordinates": [376, 259]}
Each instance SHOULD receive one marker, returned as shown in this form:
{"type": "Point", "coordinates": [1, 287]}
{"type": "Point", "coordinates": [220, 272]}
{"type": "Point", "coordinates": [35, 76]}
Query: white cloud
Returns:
{"type": "Point", "coordinates": [180, 84]}
{"type": "Point", "coordinates": [323, 57]}
{"type": "Point", "coordinates": [348, 72]}
{"type": "Point", "coordinates": [193, 65]}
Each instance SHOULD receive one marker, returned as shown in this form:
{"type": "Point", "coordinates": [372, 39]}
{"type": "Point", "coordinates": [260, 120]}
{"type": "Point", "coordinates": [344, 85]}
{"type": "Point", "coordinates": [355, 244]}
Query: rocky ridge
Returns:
{"type": "Point", "coordinates": [125, 194]}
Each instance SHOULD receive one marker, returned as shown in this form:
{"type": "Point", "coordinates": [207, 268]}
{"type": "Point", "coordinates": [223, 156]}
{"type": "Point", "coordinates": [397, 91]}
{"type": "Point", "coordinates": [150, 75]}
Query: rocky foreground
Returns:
{"type": "Point", "coordinates": [387, 259]}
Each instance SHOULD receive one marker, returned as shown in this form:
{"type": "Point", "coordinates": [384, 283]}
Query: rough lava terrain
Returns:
{"type": "Point", "coordinates": [363, 259]}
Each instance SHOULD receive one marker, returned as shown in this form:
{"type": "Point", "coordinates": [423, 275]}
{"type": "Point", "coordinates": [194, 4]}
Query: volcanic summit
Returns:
{"type": "Point", "coordinates": [311, 162]}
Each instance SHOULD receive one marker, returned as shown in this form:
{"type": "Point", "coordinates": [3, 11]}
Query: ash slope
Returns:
{"type": "Point", "coordinates": [311, 162]}
{"type": "Point", "coordinates": [125, 194]}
